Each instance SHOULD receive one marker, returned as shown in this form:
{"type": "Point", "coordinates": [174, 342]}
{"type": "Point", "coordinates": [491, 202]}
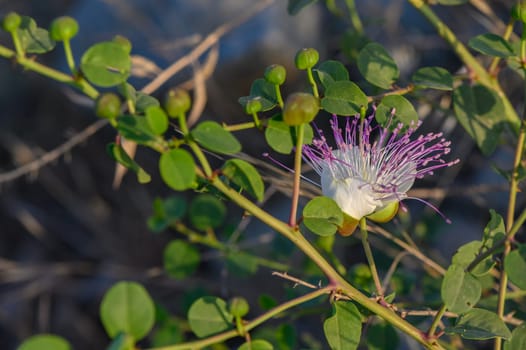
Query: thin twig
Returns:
{"type": "Point", "coordinates": [294, 279]}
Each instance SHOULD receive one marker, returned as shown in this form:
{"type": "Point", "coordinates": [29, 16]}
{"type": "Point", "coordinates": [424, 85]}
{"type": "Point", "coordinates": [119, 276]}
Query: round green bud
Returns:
{"type": "Point", "coordinates": [275, 74]}
{"type": "Point", "coordinates": [11, 22]}
{"type": "Point", "coordinates": [253, 106]}
{"type": "Point", "coordinates": [108, 105]}
{"type": "Point", "coordinates": [385, 214]}
{"type": "Point", "coordinates": [300, 108]}
{"type": "Point", "coordinates": [238, 307]}
{"type": "Point", "coordinates": [306, 58]}
{"type": "Point", "coordinates": [177, 102]}
{"type": "Point", "coordinates": [518, 11]}
{"type": "Point", "coordinates": [124, 42]}
{"type": "Point", "coordinates": [63, 28]}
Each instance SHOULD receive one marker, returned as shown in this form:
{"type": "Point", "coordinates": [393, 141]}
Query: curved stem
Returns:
{"type": "Point", "coordinates": [312, 83]}
{"type": "Point", "coordinates": [370, 257]}
{"type": "Point", "coordinates": [69, 56]}
{"type": "Point", "coordinates": [194, 146]}
{"type": "Point", "coordinates": [18, 45]}
{"type": "Point", "coordinates": [199, 344]}
{"type": "Point", "coordinates": [436, 321]}
{"type": "Point", "coordinates": [353, 14]}
{"type": "Point", "coordinates": [278, 95]}
{"type": "Point", "coordinates": [297, 175]}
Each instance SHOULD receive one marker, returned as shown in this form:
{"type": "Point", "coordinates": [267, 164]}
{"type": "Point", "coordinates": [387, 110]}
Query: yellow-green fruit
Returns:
{"type": "Point", "coordinates": [306, 58]}
{"type": "Point", "coordinates": [177, 102]}
{"type": "Point", "coordinates": [11, 22]}
{"type": "Point", "coordinates": [108, 106]}
{"type": "Point", "coordinates": [239, 306]}
{"type": "Point", "coordinates": [385, 214]}
{"type": "Point", "coordinates": [63, 28]}
{"type": "Point", "coordinates": [275, 74]}
{"type": "Point", "coordinates": [253, 106]}
{"type": "Point", "coordinates": [300, 108]}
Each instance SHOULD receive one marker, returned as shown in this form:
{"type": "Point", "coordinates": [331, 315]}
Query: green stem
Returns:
{"type": "Point", "coordinates": [51, 73]}
{"type": "Point", "coordinates": [436, 321]}
{"type": "Point", "coordinates": [278, 96]}
{"type": "Point", "coordinates": [241, 126]}
{"type": "Point", "coordinates": [194, 146]}
{"type": "Point", "coordinates": [312, 83]}
{"type": "Point", "coordinates": [297, 175]}
{"type": "Point", "coordinates": [69, 56]}
{"type": "Point", "coordinates": [353, 14]}
{"type": "Point", "coordinates": [335, 279]}
{"type": "Point", "coordinates": [18, 45]}
{"type": "Point", "coordinates": [370, 257]}
{"type": "Point", "coordinates": [200, 344]}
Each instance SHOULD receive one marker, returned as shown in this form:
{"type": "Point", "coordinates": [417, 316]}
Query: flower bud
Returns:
{"type": "Point", "coordinates": [108, 106]}
{"type": "Point", "coordinates": [253, 106]}
{"type": "Point", "coordinates": [123, 41]}
{"type": "Point", "coordinates": [348, 226]}
{"type": "Point", "coordinates": [275, 74]}
{"type": "Point", "coordinates": [385, 214]}
{"type": "Point", "coordinates": [300, 108]}
{"type": "Point", "coordinates": [63, 28]}
{"type": "Point", "coordinates": [238, 307]}
{"type": "Point", "coordinates": [177, 102]}
{"type": "Point", "coordinates": [518, 11]}
{"type": "Point", "coordinates": [307, 58]}
{"type": "Point", "coordinates": [11, 22]}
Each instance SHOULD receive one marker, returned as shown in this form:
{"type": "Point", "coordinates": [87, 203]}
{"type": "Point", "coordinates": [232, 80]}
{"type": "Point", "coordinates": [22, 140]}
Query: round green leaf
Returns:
{"type": "Point", "coordinates": [245, 176]}
{"type": "Point", "coordinates": [518, 339]}
{"type": "Point", "coordinates": [377, 66]}
{"type": "Point", "coordinates": [343, 329]}
{"type": "Point", "coordinates": [322, 216]}
{"type": "Point", "coordinates": [343, 98]}
{"type": "Point", "coordinates": [180, 259]}
{"type": "Point", "coordinates": [404, 111]}
{"type": "Point", "coordinates": [207, 211]}
{"type": "Point", "coordinates": [106, 64]}
{"type": "Point", "coordinates": [264, 92]}
{"type": "Point", "coordinates": [515, 265]}
{"type": "Point", "coordinates": [144, 101]}
{"type": "Point", "coordinates": [331, 71]}
{"type": "Point", "coordinates": [177, 168]}
{"type": "Point", "coordinates": [136, 128]}
{"type": "Point", "coordinates": [480, 324]}
{"type": "Point", "coordinates": [491, 45]}
{"type": "Point", "coordinates": [481, 112]}
{"type": "Point", "coordinates": [157, 119]}
{"type": "Point", "coordinates": [45, 342]}
{"type": "Point", "coordinates": [127, 307]}
{"type": "Point", "coordinates": [32, 38]}
{"type": "Point", "coordinates": [467, 253]}
{"type": "Point", "coordinates": [209, 315]}
{"type": "Point", "coordinates": [460, 290]}
{"type": "Point", "coordinates": [281, 137]}
{"type": "Point", "coordinates": [212, 136]}
{"type": "Point", "coordinates": [257, 344]}
{"type": "Point", "coordinates": [434, 78]}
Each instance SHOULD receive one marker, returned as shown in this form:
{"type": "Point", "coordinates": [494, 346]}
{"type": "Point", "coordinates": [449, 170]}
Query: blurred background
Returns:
{"type": "Point", "coordinates": [66, 234]}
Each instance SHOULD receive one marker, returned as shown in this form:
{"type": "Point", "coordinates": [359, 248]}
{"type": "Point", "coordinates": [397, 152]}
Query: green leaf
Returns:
{"type": "Point", "coordinates": [404, 111]}
{"type": "Point", "coordinates": [127, 307]}
{"type": "Point", "coordinates": [157, 119]}
{"type": "Point", "coordinates": [343, 329]}
{"type": "Point", "coordinates": [32, 38]}
{"type": "Point", "coordinates": [452, 2]}
{"type": "Point", "coordinates": [515, 265]}
{"type": "Point", "coordinates": [494, 230]}
{"type": "Point", "coordinates": [518, 339]}
{"type": "Point", "coordinates": [167, 333]}
{"type": "Point", "coordinates": [165, 212]}
{"type": "Point", "coordinates": [377, 66]}
{"type": "Point", "coordinates": [245, 176]}
{"type": "Point", "coordinates": [434, 78]}
{"type": "Point", "coordinates": [180, 259]}
{"type": "Point", "coordinates": [257, 344]}
{"type": "Point", "coordinates": [481, 112]}
{"type": "Point", "coordinates": [207, 211]}
{"type": "Point", "coordinates": [144, 101]}
{"type": "Point", "coordinates": [122, 341]}
{"type": "Point", "coordinates": [491, 45]}
{"type": "Point", "coordinates": [330, 71]}
{"type": "Point", "coordinates": [343, 98]}
{"type": "Point", "coordinates": [382, 336]}
{"type": "Point", "coordinates": [286, 337]}
{"type": "Point", "coordinates": [460, 290]}
{"type": "Point", "coordinates": [264, 91]}
{"type": "Point", "coordinates": [212, 136]}
{"type": "Point", "coordinates": [480, 324]}
{"type": "Point", "coordinates": [137, 129]}
{"type": "Point", "coordinates": [322, 216]}
{"type": "Point", "coordinates": [209, 315]}
{"type": "Point", "coordinates": [281, 137]}
{"type": "Point", "coordinates": [106, 64]}
{"type": "Point", "coordinates": [467, 253]}
{"type": "Point", "coordinates": [45, 342]}
{"type": "Point", "coordinates": [242, 264]}
{"type": "Point", "coordinates": [177, 168]}
{"type": "Point", "coordinates": [266, 302]}
{"type": "Point", "coordinates": [295, 6]}
{"type": "Point", "coordinates": [119, 154]}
